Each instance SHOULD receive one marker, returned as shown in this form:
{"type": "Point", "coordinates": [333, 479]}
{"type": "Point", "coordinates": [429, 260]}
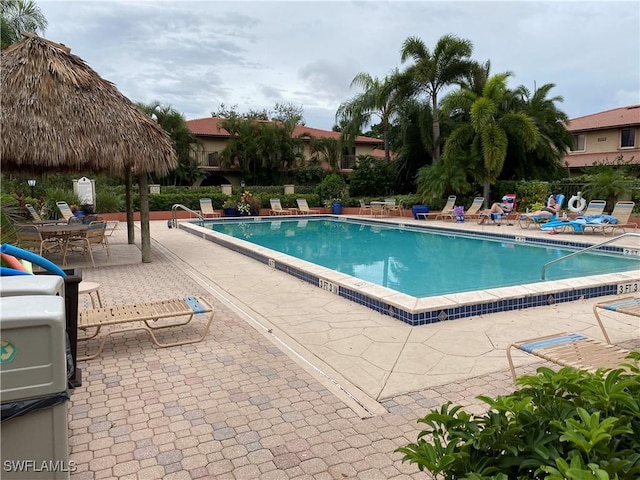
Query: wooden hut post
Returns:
{"type": "Point", "coordinates": [128, 193]}
{"type": "Point", "coordinates": [145, 235]}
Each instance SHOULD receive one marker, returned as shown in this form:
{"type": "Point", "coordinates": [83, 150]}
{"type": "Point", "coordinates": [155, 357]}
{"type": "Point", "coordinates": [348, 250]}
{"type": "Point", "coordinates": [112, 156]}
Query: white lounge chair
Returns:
{"type": "Point", "coordinates": [303, 207]}
{"type": "Point", "coordinates": [276, 208]}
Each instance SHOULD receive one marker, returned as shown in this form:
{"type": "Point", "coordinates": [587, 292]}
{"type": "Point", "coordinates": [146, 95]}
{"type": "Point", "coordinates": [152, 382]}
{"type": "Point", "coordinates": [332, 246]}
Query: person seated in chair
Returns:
{"type": "Point", "coordinates": [551, 210]}
{"type": "Point", "coordinates": [503, 207]}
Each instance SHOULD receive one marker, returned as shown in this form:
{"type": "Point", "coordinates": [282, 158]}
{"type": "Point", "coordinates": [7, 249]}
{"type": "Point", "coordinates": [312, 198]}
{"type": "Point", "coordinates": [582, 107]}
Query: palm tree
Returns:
{"type": "Point", "coordinates": [431, 72]}
{"type": "Point", "coordinates": [17, 16]}
{"type": "Point", "coordinates": [380, 98]}
{"type": "Point", "coordinates": [174, 123]}
{"type": "Point", "coordinates": [545, 160]}
{"type": "Point", "coordinates": [327, 150]}
{"type": "Point", "coordinates": [492, 124]}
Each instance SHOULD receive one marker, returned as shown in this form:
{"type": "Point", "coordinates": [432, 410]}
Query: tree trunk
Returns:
{"type": "Point", "coordinates": [387, 155]}
{"type": "Point", "coordinates": [486, 191]}
{"type": "Point", "coordinates": [145, 237]}
{"type": "Point", "coordinates": [435, 150]}
{"type": "Point", "coordinates": [131, 234]}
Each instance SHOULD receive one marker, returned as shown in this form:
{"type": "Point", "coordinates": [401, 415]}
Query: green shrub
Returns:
{"type": "Point", "coordinates": [332, 186]}
{"type": "Point", "coordinates": [309, 175]}
{"type": "Point", "coordinates": [569, 424]}
{"type": "Point", "coordinates": [372, 176]}
{"type": "Point", "coordinates": [108, 201]}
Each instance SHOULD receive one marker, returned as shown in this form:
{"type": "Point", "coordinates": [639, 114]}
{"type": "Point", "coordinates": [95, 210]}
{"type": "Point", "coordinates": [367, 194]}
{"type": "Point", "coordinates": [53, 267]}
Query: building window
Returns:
{"type": "Point", "coordinates": [212, 159]}
{"type": "Point", "coordinates": [627, 138]}
{"type": "Point", "coordinates": [579, 142]}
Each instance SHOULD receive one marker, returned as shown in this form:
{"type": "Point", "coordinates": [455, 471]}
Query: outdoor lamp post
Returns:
{"type": "Point", "coordinates": [32, 183]}
{"type": "Point", "coordinates": [242, 184]}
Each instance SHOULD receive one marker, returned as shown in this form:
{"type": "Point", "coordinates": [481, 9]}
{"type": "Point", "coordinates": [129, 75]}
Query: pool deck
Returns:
{"type": "Point", "coordinates": [292, 381]}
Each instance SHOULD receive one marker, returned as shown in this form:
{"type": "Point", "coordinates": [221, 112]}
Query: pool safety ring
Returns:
{"type": "Point", "coordinates": [577, 203]}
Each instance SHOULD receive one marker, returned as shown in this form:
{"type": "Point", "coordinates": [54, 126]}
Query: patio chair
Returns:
{"type": "Point", "coordinates": [578, 351]}
{"type": "Point", "coordinates": [364, 208]}
{"type": "Point", "coordinates": [148, 317]}
{"type": "Point", "coordinates": [525, 221]}
{"type": "Point", "coordinates": [276, 208]}
{"type": "Point", "coordinates": [595, 207]}
{"type": "Point", "coordinates": [66, 212]}
{"type": "Point", "coordinates": [378, 209]}
{"type": "Point", "coordinates": [35, 216]}
{"type": "Point", "coordinates": [32, 211]}
{"type": "Point", "coordinates": [622, 212]}
{"type": "Point", "coordinates": [303, 207]}
{"type": "Point", "coordinates": [474, 210]}
{"type": "Point", "coordinates": [93, 236]}
{"type": "Point", "coordinates": [29, 237]}
{"type": "Point", "coordinates": [447, 209]}
{"type": "Point", "coordinates": [392, 206]}
{"type": "Point", "coordinates": [206, 208]}
{"type": "Point", "coordinates": [498, 218]}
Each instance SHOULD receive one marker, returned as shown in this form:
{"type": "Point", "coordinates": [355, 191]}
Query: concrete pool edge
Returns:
{"type": "Point", "coordinates": [421, 311]}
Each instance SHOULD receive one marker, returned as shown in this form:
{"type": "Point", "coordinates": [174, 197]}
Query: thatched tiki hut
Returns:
{"type": "Point", "coordinates": [59, 115]}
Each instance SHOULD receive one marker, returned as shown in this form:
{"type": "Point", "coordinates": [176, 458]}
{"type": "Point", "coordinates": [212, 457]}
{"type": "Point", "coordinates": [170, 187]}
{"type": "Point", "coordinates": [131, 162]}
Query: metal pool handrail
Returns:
{"type": "Point", "coordinates": [174, 213]}
{"type": "Point", "coordinates": [586, 249]}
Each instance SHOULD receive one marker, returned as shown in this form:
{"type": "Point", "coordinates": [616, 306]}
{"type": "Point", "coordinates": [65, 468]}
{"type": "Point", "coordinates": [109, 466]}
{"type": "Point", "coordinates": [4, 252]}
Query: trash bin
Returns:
{"type": "Point", "coordinates": [33, 388]}
{"type": "Point", "coordinates": [43, 283]}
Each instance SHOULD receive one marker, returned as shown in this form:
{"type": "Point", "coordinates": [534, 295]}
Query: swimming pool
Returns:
{"type": "Point", "coordinates": [401, 271]}
{"type": "Point", "coordinates": [418, 262]}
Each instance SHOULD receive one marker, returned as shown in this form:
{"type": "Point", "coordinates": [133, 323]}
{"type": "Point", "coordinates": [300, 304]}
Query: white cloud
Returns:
{"type": "Point", "coordinates": [195, 55]}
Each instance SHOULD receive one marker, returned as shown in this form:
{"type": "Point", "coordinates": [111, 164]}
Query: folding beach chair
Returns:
{"type": "Point", "coordinates": [145, 316]}
{"type": "Point", "coordinates": [303, 207]}
{"type": "Point", "coordinates": [66, 212]}
{"type": "Point", "coordinates": [575, 350]}
{"type": "Point", "coordinates": [446, 210]}
{"type": "Point", "coordinates": [276, 208]}
{"type": "Point", "coordinates": [206, 208]}
{"type": "Point", "coordinates": [498, 218]}
{"type": "Point", "coordinates": [525, 220]}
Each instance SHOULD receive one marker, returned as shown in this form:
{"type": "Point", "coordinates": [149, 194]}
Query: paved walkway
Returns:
{"type": "Point", "coordinates": [291, 382]}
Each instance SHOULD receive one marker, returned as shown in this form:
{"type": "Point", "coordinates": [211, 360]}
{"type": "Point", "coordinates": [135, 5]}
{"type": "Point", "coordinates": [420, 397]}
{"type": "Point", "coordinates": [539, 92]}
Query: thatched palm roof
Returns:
{"type": "Point", "coordinates": [57, 114]}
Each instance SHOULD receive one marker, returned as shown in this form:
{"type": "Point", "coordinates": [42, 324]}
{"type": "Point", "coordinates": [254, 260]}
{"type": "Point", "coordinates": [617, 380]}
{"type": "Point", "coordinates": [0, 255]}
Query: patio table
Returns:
{"type": "Point", "coordinates": [62, 232]}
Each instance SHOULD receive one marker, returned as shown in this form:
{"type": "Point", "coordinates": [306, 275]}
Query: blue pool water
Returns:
{"type": "Point", "coordinates": [418, 262]}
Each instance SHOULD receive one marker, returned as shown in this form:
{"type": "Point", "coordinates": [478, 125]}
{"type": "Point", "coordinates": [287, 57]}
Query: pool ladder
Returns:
{"type": "Point", "coordinates": [586, 249]}
{"type": "Point", "coordinates": [173, 221]}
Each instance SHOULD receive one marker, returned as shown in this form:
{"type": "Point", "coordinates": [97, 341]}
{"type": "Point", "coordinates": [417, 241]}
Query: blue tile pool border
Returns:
{"type": "Point", "coordinates": [428, 315]}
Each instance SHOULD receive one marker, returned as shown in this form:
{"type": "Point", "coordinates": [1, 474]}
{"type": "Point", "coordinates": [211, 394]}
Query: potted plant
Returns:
{"type": "Point", "coordinates": [335, 204]}
{"type": "Point", "coordinates": [331, 189]}
{"type": "Point", "coordinates": [229, 208]}
{"type": "Point", "coordinates": [248, 204]}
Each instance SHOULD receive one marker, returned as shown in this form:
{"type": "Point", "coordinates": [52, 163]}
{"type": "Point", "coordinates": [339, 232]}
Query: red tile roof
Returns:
{"type": "Point", "coordinates": [210, 127]}
{"type": "Point", "coordinates": [618, 117]}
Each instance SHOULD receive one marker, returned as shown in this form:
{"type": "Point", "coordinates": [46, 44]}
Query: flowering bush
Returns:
{"type": "Point", "coordinates": [243, 208]}
{"type": "Point", "coordinates": [458, 210]}
{"type": "Point", "coordinates": [248, 204]}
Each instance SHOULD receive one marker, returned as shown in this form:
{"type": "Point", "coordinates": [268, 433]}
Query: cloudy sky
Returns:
{"type": "Point", "coordinates": [195, 55]}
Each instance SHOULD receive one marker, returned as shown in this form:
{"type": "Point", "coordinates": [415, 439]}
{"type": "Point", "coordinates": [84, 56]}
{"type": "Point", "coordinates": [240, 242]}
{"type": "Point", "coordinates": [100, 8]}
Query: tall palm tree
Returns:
{"type": "Point", "coordinates": [327, 150]}
{"type": "Point", "coordinates": [17, 16]}
{"type": "Point", "coordinates": [492, 124]}
{"type": "Point", "coordinates": [380, 98]}
{"type": "Point", "coordinates": [174, 123]}
{"type": "Point", "coordinates": [448, 64]}
{"type": "Point", "coordinates": [545, 160]}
